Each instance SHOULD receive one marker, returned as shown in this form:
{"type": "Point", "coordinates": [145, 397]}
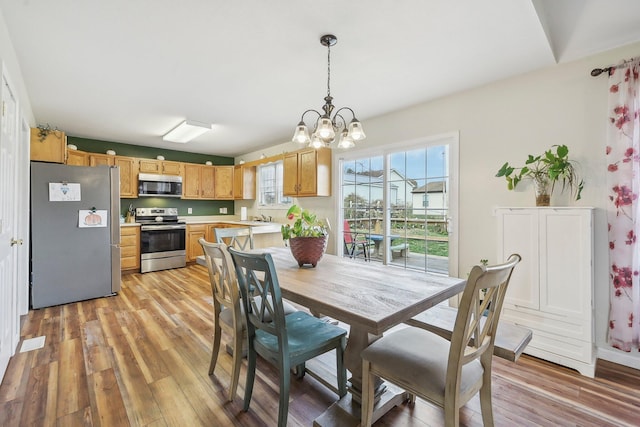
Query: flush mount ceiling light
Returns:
{"type": "Point", "coordinates": [186, 131]}
{"type": "Point", "coordinates": [327, 126]}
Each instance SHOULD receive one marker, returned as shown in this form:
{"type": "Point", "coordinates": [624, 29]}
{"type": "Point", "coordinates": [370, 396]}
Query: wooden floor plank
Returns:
{"type": "Point", "coordinates": [141, 358]}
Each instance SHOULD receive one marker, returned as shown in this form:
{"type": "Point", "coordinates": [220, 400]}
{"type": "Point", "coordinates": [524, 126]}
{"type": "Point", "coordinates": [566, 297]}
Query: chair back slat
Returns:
{"type": "Point", "coordinates": [257, 278]}
{"type": "Point", "coordinates": [224, 283]}
{"type": "Point", "coordinates": [236, 237]}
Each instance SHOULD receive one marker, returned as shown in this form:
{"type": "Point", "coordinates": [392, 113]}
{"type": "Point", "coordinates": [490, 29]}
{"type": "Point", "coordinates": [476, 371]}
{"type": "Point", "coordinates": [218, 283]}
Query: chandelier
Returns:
{"type": "Point", "coordinates": [327, 126]}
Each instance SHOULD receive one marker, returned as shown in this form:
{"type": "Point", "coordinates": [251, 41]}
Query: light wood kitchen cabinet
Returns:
{"type": "Point", "coordinates": [223, 182]}
{"type": "Point", "coordinates": [128, 167]}
{"type": "Point", "coordinates": [162, 167]}
{"type": "Point", "coordinates": [198, 181]}
{"type": "Point", "coordinates": [51, 148]}
{"type": "Point", "coordinates": [551, 289]}
{"type": "Point", "coordinates": [244, 182]}
{"type": "Point", "coordinates": [77, 158]}
{"type": "Point", "coordinates": [194, 233]}
{"type": "Point", "coordinates": [129, 248]}
{"type": "Point", "coordinates": [96, 159]}
{"type": "Point", "coordinates": [307, 173]}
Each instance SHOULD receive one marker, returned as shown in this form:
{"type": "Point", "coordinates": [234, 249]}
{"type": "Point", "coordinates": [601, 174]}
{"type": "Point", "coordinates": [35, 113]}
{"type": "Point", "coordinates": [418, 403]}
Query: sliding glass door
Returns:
{"type": "Point", "coordinates": [399, 206]}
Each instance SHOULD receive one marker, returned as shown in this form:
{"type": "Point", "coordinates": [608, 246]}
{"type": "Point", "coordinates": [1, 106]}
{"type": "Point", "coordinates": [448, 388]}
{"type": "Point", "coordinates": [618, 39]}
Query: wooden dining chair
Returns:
{"type": "Point", "coordinates": [290, 339]}
{"type": "Point", "coordinates": [228, 312]}
{"type": "Point", "coordinates": [446, 373]}
{"type": "Point", "coordinates": [235, 237]}
{"type": "Point", "coordinates": [355, 245]}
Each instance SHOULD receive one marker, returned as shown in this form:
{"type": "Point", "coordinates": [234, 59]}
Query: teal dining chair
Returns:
{"type": "Point", "coordinates": [285, 340]}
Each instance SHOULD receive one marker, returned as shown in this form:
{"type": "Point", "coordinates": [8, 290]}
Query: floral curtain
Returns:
{"type": "Point", "coordinates": [623, 215]}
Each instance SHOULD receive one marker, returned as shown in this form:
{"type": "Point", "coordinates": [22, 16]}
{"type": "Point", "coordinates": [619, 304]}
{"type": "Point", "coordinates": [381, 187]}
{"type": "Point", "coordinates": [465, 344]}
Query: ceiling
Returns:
{"type": "Point", "coordinates": [130, 70]}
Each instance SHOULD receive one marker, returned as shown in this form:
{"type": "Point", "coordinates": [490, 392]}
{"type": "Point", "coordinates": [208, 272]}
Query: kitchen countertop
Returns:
{"type": "Point", "coordinates": [259, 227]}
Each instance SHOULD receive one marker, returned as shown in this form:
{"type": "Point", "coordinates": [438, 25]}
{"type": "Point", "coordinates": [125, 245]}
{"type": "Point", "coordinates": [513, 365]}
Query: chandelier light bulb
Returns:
{"type": "Point", "coordinates": [301, 135]}
{"type": "Point", "coordinates": [355, 130]}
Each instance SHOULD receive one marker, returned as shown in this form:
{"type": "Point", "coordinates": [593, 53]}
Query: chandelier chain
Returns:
{"type": "Point", "coordinates": [329, 70]}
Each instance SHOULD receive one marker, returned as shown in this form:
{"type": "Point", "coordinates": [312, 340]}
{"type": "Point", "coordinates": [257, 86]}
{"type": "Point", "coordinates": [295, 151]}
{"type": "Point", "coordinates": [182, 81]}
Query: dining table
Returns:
{"type": "Point", "coordinates": [369, 297]}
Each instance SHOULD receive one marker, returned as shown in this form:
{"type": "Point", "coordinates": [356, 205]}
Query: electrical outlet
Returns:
{"type": "Point", "coordinates": [189, 211]}
{"type": "Point", "coordinates": [223, 210]}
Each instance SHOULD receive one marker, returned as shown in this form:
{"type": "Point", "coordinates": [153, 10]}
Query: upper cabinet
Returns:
{"type": "Point", "coordinates": [77, 158]}
{"type": "Point", "coordinates": [223, 182]}
{"type": "Point", "coordinates": [96, 159]}
{"type": "Point", "coordinates": [128, 167]}
{"type": "Point", "coordinates": [51, 147]}
{"type": "Point", "coordinates": [244, 182]}
{"type": "Point", "coordinates": [162, 167]}
{"type": "Point", "coordinates": [307, 173]}
{"type": "Point", "coordinates": [198, 181]}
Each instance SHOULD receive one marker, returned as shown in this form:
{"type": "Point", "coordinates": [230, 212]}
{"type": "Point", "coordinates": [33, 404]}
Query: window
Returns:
{"type": "Point", "coordinates": [270, 178]}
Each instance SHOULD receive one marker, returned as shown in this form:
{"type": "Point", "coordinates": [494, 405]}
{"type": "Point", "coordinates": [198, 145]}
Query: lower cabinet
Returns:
{"type": "Point", "coordinates": [551, 290]}
{"type": "Point", "coordinates": [129, 248]}
{"type": "Point", "coordinates": [194, 233]}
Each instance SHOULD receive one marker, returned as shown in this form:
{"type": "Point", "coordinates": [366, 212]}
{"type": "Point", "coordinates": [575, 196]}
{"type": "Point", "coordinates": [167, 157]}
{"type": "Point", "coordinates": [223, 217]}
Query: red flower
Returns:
{"type": "Point", "coordinates": [613, 89]}
{"type": "Point", "coordinates": [622, 277]}
{"type": "Point", "coordinates": [629, 152]}
{"type": "Point", "coordinates": [612, 167]}
{"type": "Point", "coordinates": [612, 245]}
{"type": "Point", "coordinates": [625, 196]}
{"type": "Point", "coordinates": [290, 216]}
{"type": "Point", "coordinates": [630, 324]}
{"type": "Point", "coordinates": [611, 324]}
{"type": "Point", "coordinates": [608, 150]}
{"type": "Point", "coordinates": [631, 238]}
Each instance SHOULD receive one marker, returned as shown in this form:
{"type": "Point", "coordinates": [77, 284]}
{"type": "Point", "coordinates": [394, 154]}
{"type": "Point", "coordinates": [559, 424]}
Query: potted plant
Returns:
{"type": "Point", "coordinates": [307, 235]}
{"type": "Point", "coordinates": [545, 170]}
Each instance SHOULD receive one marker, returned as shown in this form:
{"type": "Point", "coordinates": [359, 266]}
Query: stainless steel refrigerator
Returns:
{"type": "Point", "coordinates": [75, 233]}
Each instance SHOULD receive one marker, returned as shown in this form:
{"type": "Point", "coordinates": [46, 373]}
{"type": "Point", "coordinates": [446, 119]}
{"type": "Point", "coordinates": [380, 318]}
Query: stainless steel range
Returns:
{"type": "Point", "coordinates": [162, 239]}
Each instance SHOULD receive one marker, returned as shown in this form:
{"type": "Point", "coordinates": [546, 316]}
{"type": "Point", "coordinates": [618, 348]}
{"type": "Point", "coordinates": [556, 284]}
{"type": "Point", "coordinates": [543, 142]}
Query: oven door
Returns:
{"type": "Point", "coordinates": [162, 247]}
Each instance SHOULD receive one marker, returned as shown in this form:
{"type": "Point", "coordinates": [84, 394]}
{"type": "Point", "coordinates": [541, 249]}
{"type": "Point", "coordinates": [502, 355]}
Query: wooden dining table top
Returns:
{"type": "Point", "coordinates": [365, 295]}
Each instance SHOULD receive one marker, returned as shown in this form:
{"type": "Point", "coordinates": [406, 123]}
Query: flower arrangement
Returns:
{"type": "Point", "coordinates": [306, 224]}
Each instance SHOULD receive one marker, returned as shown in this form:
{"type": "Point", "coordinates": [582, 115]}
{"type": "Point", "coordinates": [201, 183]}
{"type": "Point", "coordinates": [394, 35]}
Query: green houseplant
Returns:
{"type": "Point", "coordinates": [307, 235]}
{"type": "Point", "coordinates": [545, 170]}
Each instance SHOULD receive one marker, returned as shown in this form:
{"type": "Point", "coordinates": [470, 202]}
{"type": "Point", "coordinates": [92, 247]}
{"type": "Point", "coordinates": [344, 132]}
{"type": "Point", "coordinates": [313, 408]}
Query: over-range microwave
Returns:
{"type": "Point", "coordinates": [152, 185]}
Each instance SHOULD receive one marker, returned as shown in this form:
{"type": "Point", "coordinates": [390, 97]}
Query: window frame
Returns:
{"type": "Point", "coordinates": [280, 199]}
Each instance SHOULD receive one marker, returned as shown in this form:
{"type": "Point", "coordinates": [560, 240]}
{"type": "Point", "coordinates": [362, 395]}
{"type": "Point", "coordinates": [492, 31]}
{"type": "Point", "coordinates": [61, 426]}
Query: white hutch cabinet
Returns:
{"type": "Point", "coordinates": [551, 290]}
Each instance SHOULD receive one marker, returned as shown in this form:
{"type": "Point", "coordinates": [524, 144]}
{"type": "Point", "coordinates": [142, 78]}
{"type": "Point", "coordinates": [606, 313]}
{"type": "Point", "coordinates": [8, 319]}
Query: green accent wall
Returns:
{"type": "Point", "coordinates": [199, 207]}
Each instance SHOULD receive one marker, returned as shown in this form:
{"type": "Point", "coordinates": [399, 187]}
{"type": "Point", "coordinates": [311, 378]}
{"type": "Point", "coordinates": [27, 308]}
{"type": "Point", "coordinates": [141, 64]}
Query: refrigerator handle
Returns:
{"type": "Point", "coordinates": [114, 174]}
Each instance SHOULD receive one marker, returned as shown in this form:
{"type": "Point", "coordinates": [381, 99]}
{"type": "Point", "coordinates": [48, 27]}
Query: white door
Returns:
{"type": "Point", "coordinates": [8, 241]}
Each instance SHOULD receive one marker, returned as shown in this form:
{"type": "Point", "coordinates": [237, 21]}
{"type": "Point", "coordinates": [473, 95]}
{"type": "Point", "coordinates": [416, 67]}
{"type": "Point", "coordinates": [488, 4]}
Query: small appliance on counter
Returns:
{"type": "Point", "coordinates": [162, 239]}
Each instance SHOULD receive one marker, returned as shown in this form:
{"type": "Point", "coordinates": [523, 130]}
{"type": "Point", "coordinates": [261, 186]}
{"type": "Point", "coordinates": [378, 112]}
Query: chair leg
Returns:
{"type": "Point", "coordinates": [238, 340]}
{"type": "Point", "coordinates": [285, 383]}
{"type": "Point", "coordinates": [485, 404]}
{"type": "Point", "coordinates": [217, 333]}
{"type": "Point", "coordinates": [341, 370]}
{"type": "Point", "coordinates": [251, 374]}
{"type": "Point", "coordinates": [366, 411]}
{"type": "Point", "coordinates": [300, 371]}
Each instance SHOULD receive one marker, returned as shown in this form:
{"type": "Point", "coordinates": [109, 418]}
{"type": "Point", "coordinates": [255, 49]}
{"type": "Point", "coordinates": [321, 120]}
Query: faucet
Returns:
{"type": "Point", "coordinates": [266, 219]}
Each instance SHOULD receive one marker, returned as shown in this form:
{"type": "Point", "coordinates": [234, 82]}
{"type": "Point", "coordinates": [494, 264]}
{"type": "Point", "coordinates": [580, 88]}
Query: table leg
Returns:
{"type": "Point", "coordinates": [346, 411]}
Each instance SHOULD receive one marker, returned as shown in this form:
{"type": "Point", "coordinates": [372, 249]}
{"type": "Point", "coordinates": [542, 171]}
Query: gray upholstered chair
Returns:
{"type": "Point", "coordinates": [228, 311]}
{"type": "Point", "coordinates": [235, 237]}
{"type": "Point", "coordinates": [284, 340]}
{"type": "Point", "coordinates": [446, 373]}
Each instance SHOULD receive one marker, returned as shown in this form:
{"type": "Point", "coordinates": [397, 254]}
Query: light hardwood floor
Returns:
{"type": "Point", "coordinates": [141, 359]}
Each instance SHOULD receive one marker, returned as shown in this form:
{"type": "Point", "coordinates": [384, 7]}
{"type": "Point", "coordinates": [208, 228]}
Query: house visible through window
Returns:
{"type": "Point", "coordinates": [270, 185]}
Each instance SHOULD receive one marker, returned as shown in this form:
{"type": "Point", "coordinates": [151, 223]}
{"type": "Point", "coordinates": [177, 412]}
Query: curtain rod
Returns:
{"type": "Point", "coordinates": [597, 71]}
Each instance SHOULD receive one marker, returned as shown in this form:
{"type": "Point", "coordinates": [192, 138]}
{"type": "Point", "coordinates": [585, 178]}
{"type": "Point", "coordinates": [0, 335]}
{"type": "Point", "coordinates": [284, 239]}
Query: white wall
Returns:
{"type": "Point", "coordinates": [506, 121]}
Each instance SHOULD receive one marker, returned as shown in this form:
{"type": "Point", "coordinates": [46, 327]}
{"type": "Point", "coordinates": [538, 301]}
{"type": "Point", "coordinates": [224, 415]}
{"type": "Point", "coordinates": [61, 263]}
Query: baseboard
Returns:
{"type": "Point", "coordinates": [632, 360]}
